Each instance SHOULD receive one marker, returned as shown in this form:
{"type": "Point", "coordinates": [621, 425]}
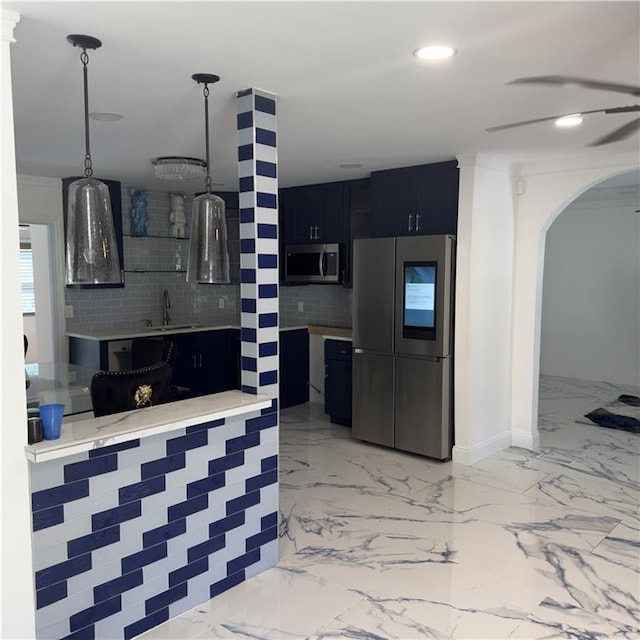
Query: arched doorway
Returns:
{"type": "Point", "coordinates": [590, 322]}
{"type": "Point", "coordinates": [548, 192]}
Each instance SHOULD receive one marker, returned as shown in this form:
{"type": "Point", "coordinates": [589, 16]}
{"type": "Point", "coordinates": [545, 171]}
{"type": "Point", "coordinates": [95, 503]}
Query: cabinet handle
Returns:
{"type": "Point", "coordinates": [410, 227]}
{"type": "Point", "coordinates": [194, 361]}
{"type": "Point", "coordinates": [310, 232]}
{"type": "Point", "coordinates": [317, 233]}
{"type": "Point", "coordinates": [200, 360]}
{"type": "Point", "coordinates": [417, 222]}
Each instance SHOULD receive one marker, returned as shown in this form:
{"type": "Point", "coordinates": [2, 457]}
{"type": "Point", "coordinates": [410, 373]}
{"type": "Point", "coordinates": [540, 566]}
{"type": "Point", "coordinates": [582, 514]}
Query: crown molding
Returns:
{"type": "Point", "coordinates": [9, 20]}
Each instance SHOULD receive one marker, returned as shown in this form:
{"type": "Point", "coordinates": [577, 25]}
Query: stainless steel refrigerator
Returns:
{"type": "Point", "coordinates": [403, 343]}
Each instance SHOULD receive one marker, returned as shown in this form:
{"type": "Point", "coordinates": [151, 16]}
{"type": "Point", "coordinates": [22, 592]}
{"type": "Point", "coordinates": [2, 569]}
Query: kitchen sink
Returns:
{"type": "Point", "coordinates": [172, 327]}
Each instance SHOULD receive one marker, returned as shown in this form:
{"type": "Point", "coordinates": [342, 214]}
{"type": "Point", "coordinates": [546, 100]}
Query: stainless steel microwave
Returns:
{"type": "Point", "coordinates": [313, 263]}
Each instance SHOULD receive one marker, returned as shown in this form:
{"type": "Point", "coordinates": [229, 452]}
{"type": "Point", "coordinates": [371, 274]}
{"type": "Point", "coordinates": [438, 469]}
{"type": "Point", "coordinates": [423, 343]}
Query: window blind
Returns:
{"type": "Point", "coordinates": [26, 280]}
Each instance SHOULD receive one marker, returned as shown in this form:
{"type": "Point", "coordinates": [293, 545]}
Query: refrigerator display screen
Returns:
{"type": "Point", "coordinates": [419, 313]}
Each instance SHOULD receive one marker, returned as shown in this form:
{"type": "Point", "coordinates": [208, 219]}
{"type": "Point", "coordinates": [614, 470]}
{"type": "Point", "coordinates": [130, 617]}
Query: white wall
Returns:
{"type": "Point", "coordinates": [40, 204]}
{"type": "Point", "coordinates": [484, 286]}
{"type": "Point", "coordinates": [591, 294]}
{"type": "Point", "coordinates": [18, 619]}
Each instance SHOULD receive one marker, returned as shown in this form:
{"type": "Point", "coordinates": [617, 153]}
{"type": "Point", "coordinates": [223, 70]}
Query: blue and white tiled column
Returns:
{"type": "Point", "coordinates": [258, 177]}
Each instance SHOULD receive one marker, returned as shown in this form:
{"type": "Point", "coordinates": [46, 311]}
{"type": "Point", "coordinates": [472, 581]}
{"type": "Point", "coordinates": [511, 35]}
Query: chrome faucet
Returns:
{"type": "Point", "coordinates": [166, 305]}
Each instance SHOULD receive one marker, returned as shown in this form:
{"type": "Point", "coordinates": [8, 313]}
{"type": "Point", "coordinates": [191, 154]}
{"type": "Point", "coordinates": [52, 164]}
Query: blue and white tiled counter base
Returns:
{"type": "Point", "coordinates": [131, 534]}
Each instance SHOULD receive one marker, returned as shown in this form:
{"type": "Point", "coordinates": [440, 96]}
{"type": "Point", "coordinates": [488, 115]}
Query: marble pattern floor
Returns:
{"type": "Point", "coordinates": [377, 544]}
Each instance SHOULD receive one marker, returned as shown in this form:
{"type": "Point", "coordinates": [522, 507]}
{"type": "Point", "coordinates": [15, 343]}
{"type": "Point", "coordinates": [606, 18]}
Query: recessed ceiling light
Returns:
{"type": "Point", "coordinates": [105, 116]}
{"type": "Point", "coordinates": [435, 52]}
{"type": "Point", "coordinates": [572, 120]}
{"type": "Point", "coordinates": [350, 165]}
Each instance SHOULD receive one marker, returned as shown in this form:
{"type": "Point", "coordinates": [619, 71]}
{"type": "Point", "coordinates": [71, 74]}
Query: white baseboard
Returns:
{"type": "Point", "coordinates": [471, 455]}
{"type": "Point", "coordinates": [526, 440]}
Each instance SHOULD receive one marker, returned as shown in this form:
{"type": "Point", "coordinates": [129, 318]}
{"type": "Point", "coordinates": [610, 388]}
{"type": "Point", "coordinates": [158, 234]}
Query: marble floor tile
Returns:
{"type": "Point", "coordinates": [276, 604]}
{"type": "Point", "coordinates": [622, 545]}
{"type": "Point", "coordinates": [416, 618]}
{"type": "Point", "coordinates": [381, 544]}
{"type": "Point", "coordinates": [553, 620]}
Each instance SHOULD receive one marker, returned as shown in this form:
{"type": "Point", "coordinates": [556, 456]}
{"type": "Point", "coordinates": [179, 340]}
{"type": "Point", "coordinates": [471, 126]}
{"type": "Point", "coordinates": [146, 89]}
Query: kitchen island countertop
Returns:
{"type": "Point", "coordinates": [93, 433]}
{"type": "Point", "coordinates": [146, 332]}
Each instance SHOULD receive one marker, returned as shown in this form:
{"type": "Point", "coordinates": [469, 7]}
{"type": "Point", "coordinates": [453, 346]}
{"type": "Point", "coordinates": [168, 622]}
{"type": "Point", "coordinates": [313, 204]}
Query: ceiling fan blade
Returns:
{"type": "Point", "coordinates": [618, 134]}
{"type": "Point", "coordinates": [524, 122]}
{"type": "Point", "coordinates": [568, 81]}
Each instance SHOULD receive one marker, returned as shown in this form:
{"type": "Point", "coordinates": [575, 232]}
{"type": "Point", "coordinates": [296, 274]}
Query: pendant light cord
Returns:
{"type": "Point", "coordinates": [88, 167]}
{"type": "Point", "coordinates": [205, 92]}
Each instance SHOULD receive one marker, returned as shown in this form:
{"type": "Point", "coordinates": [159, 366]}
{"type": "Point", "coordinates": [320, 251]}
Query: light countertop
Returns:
{"type": "Point", "coordinates": [159, 331]}
{"type": "Point", "coordinates": [146, 332]}
{"type": "Point", "coordinates": [331, 332]}
{"type": "Point", "coordinates": [84, 435]}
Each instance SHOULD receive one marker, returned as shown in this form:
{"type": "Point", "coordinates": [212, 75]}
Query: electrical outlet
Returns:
{"type": "Point", "coordinates": [300, 306]}
{"type": "Point", "coordinates": [220, 303]}
{"type": "Point", "coordinates": [68, 311]}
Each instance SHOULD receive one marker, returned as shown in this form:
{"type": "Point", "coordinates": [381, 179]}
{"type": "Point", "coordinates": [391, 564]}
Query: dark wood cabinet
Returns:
{"type": "Point", "coordinates": [337, 381]}
{"type": "Point", "coordinates": [115, 194]}
{"type": "Point", "coordinates": [419, 200]}
{"type": "Point", "coordinates": [294, 367]}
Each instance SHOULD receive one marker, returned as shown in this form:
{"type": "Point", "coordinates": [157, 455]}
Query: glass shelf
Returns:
{"type": "Point", "coordinates": [155, 271]}
{"type": "Point", "coordinates": [154, 235]}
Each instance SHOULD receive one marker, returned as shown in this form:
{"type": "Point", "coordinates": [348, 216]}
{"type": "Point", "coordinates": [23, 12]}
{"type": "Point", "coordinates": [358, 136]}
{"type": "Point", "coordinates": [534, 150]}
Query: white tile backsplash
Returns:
{"type": "Point", "coordinates": [141, 297]}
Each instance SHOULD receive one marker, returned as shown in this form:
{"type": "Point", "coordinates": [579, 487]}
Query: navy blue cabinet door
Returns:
{"type": "Point", "coordinates": [202, 362]}
{"type": "Point", "coordinates": [301, 207]}
{"type": "Point", "coordinates": [314, 213]}
{"type": "Point", "coordinates": [420, 200]}
{"type": "Point", "coordinates": [337, 381]}
{"type": "Point", "coordinates": [393, 199]}
{"type": "Point", "coordinates": [333, 224]}
{"type": "Point", "coordinates": [294, 367]}
{"type": "Point", "coordinates": [437, 199]}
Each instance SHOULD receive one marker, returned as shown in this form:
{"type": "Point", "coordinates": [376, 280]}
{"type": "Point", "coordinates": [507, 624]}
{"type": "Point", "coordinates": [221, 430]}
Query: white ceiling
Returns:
{"type": "Point", "coordinates": [348, 87]}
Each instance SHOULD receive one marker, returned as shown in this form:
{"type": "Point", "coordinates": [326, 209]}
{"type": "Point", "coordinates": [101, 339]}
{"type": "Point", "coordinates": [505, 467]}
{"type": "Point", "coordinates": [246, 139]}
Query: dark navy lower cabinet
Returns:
{"type": "Point", "coordinates": [206, 361]}
{"type": "Point", "coordinates": [337, 381]}
{"type": "Point", "coordinates": [294, 367]}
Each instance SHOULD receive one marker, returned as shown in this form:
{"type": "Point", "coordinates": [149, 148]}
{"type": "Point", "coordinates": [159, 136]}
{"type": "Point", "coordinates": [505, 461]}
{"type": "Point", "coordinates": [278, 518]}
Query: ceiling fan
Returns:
{"type": "Point", "coordinates": [621, 133]}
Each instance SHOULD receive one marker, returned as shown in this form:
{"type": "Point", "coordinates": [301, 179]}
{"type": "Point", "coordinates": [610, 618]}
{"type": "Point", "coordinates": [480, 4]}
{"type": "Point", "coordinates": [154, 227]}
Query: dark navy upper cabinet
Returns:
{"type": "Point", "coordinates": [314, 213]}
{"type": "Point", "coordinates": [301, 209]}
{"type": "Point", "coordinates": [393, 201]}
{"type": "Point", "coordinates": [419, 200]}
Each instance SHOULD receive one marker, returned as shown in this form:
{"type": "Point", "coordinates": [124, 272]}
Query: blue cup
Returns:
{"type": "Point", "coordinates": [51, 418]}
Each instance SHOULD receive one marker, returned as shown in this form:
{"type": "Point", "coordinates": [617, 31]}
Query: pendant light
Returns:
{"type": "Point", "coordinates": [92, 251]}
{"type": "Point", "coordinates": [208, 253]}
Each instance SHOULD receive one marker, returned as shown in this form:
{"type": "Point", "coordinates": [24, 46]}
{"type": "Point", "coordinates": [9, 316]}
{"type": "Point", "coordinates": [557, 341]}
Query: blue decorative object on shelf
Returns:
{"type": "Point", "coordinates": [139, 215]}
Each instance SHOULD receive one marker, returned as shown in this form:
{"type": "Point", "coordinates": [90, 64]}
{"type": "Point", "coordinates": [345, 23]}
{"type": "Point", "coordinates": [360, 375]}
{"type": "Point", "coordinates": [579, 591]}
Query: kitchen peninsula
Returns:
{"type": "Point", "coordinates": [139, 516]}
